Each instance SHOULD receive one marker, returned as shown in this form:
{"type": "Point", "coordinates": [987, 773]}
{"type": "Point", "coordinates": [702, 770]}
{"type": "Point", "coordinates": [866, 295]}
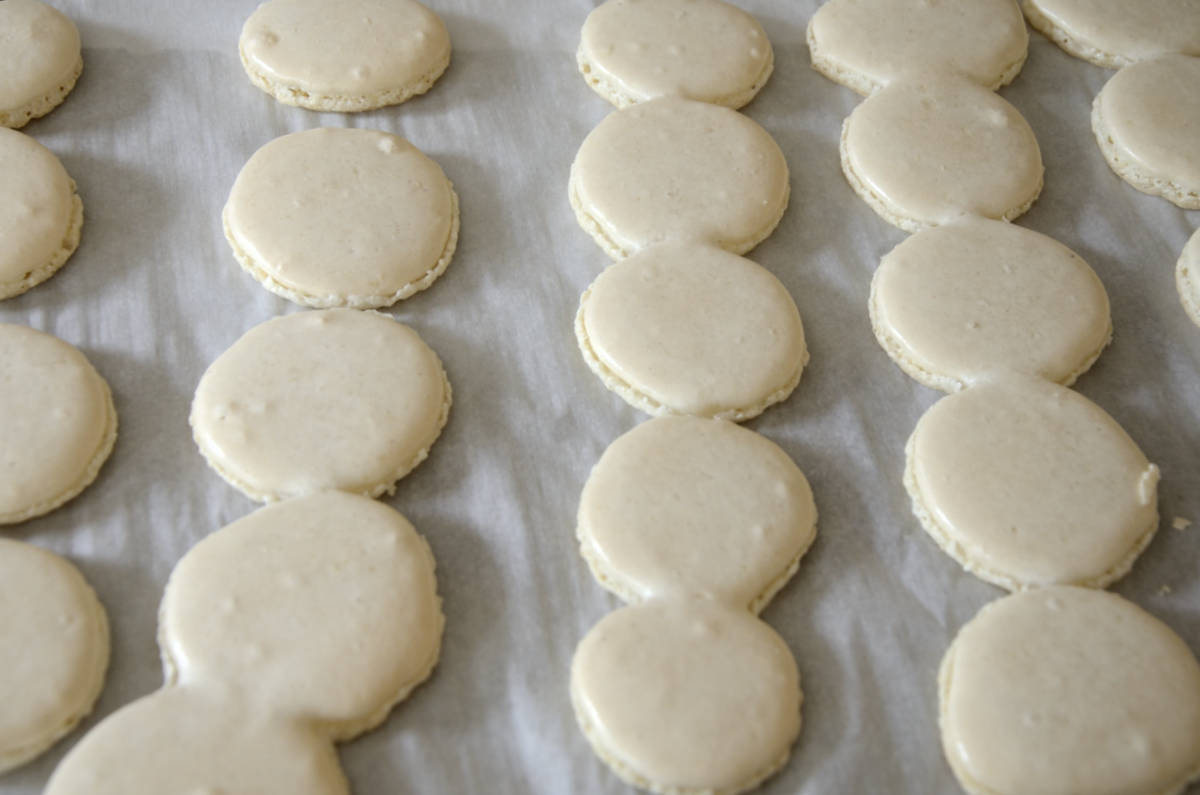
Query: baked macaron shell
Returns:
{"type": "Point", "coordinates": [681, 506]}
{"type": "Point", "coordinates": [331, 399]}
{"type": "Point", "coordinates": [321, 608]}
{"type": "Point", "coordinates": [342, 217]}
{"type": "Point", "coordinates": [1116, 33]}
{"type": "Point", "coordinates": [58, 423]}
{"type": "Point", "coordinates": [692, 329]}
{"type": "Point", "coordinates": [54, 650]}
{"type": "Point", "coordinates": [676, 170]}
{"type": "Point", "coordinates": [707, 50]}
{"type": "Point", "coordinates": [1146, 121]}
{"type": "Point", "coordinates": [1026, 484]}
{"type": "Point", "coordinates": [199, 740]}
{"type": "Point", "coordinates": [868, 44]}
{"type": "Point", "coordinates": [41, 215]}
{"type": "Point", "coordinates": [954, 303]}
{"type": "Point", "coordinates": [724, 683]}
{"type": "Point", "coordinates": [927, 151]}
{"type": "Point", "coordinates": [1069, 690]}
{"type": "Point", "coordinates": [353, 55]}
{"type": "Point", "coordinates": [40, 58]}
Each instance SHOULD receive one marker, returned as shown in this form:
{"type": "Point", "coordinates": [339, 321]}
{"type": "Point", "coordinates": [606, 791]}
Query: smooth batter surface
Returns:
{"type": "Point", "coordinates": [675, 170]}
{"type": "Point", "coordinates": [40, 213]}
{"type": "Point", "coordinates": [40, 59]}
{"type": "Point", "coordinates": [925, 152]}
{"type": "Point", "coordinates": [333, 399]}
{"type": "Point", "coordinates": [692, 329]}
{"type": "Point", "coordinates": [57, 423]}
{"type": "Point", "coordinates": [198, 741]}
{"type": "Point", "coordinates": [321, 608]}
{"type": "Point", "coordinates": [867, 44]}
{"type": "Point", "coordinates": [346, 56]}
{"type": "Point", "coordinates": [1027, 483]}
{"type": "Point", "coordinates": [1187, 278]}
{"type": "Point", "coordinates": [342, 217]}
{"type": "Point", "coordinates": [1147, 123]}
{"type": "Point", "coordinates": [707, 50]}
{"type": "Point", "coordinates": [1070, 690]}
{"type": "Point", "coordinates": [53, 650]}
{"type": "Point", "coordinates": [684, 506]}
{"type": "Point", "coordinates": [956, 302]}
{"type": "Point", "coordinates": [687, 696]}
{"type": "Point", "coordinates": [1115, 33]}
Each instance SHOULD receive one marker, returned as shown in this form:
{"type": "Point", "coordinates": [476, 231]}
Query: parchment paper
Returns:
{"type": "Point", "coordinates": [158, 127]}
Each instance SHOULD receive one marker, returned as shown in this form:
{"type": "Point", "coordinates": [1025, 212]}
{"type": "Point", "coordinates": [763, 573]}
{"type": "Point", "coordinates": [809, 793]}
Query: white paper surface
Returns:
{"type": "Point", "coordinates": [158, 127]}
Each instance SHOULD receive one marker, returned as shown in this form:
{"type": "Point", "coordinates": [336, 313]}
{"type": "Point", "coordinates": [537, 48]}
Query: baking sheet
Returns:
{"type": "Point", "coordinates": [158, 127]}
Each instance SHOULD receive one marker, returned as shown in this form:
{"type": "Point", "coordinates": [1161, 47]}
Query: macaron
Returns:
{"type": "Point", "coordinates": [348, 56]}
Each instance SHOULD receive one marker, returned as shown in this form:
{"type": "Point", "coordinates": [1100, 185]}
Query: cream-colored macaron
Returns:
{"type": "Point", "coordinates": [299, 625]}
{"type": "Point", "coordinates": [41, 215]}
{"type": "Point", "coordinates": [1147, 122]}
{"type": "Point", "coordinates": [1069, 690]}
{"type": "Point", "coordinates": [57, 423]}
{"type": "Point", "coordinates": [692, 329]}
{"type": "Point", "coordinates": [331, 399]}
{"type": "Point", "coordinates": [708, 50]}
{"type": "Point", "coordinates": [347, 56]}
{"type": "Point", "coordinates": [953, 303]}
{"type": "Point", "coordinates": [676, 170]}
{"type": "Point", "coordinates": [687, 696]}
{"type": "Point", "coordinates": [683, 506]}
{"type": "Point", "coordinates": [867, 44]}
{"type": "Point", "coordinates": [40, 59]}
{"type": "Point", "coordinates": [1026, 483]}
{"type": "Point", "coordinates": [1116, 33]}
{"type": "Point", "coordinates": [199, 741]}
{"type": "Point", "coordinates": [325, 608]}
{"type": "Point", "coordinates": [53, 650]}
{"type": "Point", "coordinates": [1187, 278]}
{"type": "Point", "coordinates": [927, 151]}
{"type": "Point", "coordinates": [342, 217]}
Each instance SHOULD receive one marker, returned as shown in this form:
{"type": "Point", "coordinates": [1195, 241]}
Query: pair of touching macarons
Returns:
{"type": "Point", "coordinates": [58, 425]}
{"type": "Point", "coordinates": [40, 211]}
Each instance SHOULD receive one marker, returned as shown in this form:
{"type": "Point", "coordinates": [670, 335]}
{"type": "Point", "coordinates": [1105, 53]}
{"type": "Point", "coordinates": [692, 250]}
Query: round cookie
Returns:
{"type": "Point", "coordinates": [1116, 33]}
{"type": "Point", "coordinates": [322, 608]}
{"type": "Point", "coordinates": [692, 329]}
{"type": "Point", "coordinates": [707, 50]}
{"type": "Point", "coordinates": [1069, 690]}
{"type": "Point", "coordinates": [867, 44]}
{"type": "Point", "coordinates": [1147, 122]}
{"type": "Point", "coordinates": [723, 682]}
{"type": "Point", "coordinates": [1027, 483]}
{"type": "Point", "coordinates": [680, 506]}
{"type": "Point", "coordinates": [332, 399]}
{"type": "Point", "coordinates": [348, 56]}
{"type": "Point", "coordinates": [953, 303]}
{"type": "Point", "coordinates": [676, 170]}
{"type": "Point", "coordinates": [342, 217]}
{"type": "Point", "coordinates": [40, 58]}
{"type": "Point", "coordinates": [199, 741]}
{"type": "Point", "coordinates": [1187, 278]}
{"type": "Point", "coordinates": [57, 423]}
{"type": "Point", "coordinates": [53, 650]}
{"type": "Point", "coordinates": [923, 153]}
{"type": "Point", "coordinates": [41, 215]}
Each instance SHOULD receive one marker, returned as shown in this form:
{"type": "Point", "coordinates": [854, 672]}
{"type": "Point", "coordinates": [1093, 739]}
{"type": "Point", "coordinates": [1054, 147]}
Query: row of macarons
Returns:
{"type": "Point", "coordinates": [691, 520]}
{"type": "Point", "coordinates": [1024, 482]}
{"type": "Point", "coordinates": [61, 426]}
